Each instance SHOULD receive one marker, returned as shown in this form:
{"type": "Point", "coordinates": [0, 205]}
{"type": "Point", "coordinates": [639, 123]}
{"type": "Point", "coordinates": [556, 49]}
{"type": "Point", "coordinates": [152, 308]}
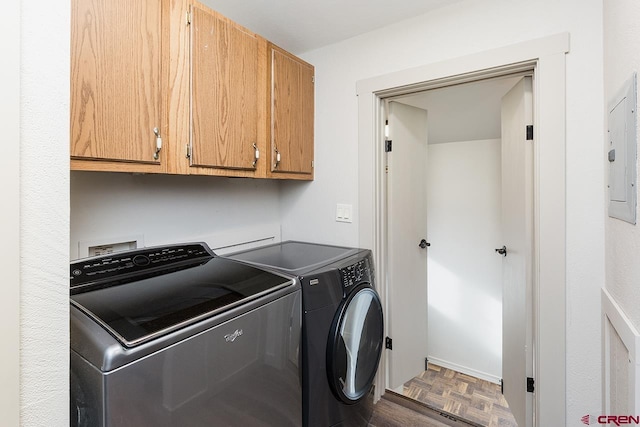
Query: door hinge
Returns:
{"type": "Point", "coordinates": [188, 17]}
{"type": "Point", "coordinates": [529, 132]}
{"type": "Point", "coordinates": [313, 165]}
{"type": "Point", "coordinates": [501, 386]}
{"type": "Point", "coordinates": [426, 364]}
{"type": "Point", "coordinates": [388, 343]}
{"type": "Point", "coordinates": [313, 79]}
{"type": "Point", "coordinates": [530, 385]}
{"type": "Point", "coordinates": [188, 151]}
{"type": "Point", "coordinates": [387, 145]}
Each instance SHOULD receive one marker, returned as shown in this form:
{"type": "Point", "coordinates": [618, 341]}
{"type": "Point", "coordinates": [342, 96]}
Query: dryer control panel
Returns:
{"type": "Point", "coordinates": [356, 273]}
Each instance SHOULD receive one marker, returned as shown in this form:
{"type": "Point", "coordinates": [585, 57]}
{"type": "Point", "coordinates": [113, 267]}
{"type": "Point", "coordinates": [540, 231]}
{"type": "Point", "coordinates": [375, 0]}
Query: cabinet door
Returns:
{"type": "Point", "coordinates": [116, 79]}
{"type": "Point", "coordinates": [292, 110]}
{"type": "Point", "coordinates": [224, 73]}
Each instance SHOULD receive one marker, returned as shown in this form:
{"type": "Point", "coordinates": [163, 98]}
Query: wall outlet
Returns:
{"type": "Point", "coordinates": [344, 213]}
{"type": "Point", "coordinates": [109, 245]}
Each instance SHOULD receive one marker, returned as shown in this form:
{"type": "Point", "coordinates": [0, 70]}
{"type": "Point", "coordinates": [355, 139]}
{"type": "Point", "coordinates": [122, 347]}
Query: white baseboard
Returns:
{"type": "Point", "coordinates": [464, 370]}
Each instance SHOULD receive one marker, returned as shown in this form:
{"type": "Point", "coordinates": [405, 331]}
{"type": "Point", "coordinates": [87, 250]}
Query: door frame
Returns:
{"type": "Point", "coordinates": [10, 226]}
{"type": "Point", "coordinates": [546, 57]}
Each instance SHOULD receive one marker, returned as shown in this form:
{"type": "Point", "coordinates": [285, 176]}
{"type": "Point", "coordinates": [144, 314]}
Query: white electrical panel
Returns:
{"type": "Point", "coordinates": [622, 152]}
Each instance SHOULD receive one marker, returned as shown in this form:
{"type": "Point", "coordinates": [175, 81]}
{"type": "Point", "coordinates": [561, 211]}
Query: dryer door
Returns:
{"type": "Point", "coordinates": [355, 345]}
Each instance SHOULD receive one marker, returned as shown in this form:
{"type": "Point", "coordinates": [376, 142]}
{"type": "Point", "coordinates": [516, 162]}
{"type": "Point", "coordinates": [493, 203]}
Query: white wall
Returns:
{"type": "Point", "coordinates": [457, 30]}
{"type": "Point", "coordinates": [44, 216]}
{"type": "Point", "coordinates": [464, 272]}
{"type": "Point", "coordinates": [168, 209]}
{"type": "Point", "coordinates": [621, 58]}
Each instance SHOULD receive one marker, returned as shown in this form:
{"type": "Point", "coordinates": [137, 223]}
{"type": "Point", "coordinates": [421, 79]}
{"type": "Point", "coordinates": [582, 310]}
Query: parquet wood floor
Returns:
{"type": "Point", "coordinates": [395, 410]}
{"type": "Point", "coordinates": [472, 399]}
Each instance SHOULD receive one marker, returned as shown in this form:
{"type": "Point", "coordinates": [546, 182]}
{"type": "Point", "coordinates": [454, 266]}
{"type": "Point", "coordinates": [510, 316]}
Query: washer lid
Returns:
{"type": "Point", "coordinates": [294, 257]}
{"type": "Point", "coordinates": [137, 308]}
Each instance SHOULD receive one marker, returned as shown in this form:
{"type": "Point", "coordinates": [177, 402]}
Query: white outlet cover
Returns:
{"type": "Point", "coordinates": [89, 248]}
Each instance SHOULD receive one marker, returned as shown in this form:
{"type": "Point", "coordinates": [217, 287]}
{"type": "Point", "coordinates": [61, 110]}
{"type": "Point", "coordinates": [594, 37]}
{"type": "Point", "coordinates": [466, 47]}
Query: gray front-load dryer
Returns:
{"type": "Point", "coordinates": [342, 324]}
{"type": "Point", "coordinates": [176, 336]}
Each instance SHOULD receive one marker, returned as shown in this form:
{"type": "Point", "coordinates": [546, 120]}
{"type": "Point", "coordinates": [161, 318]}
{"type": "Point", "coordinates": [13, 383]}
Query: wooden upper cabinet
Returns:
{"type": "Point", "coordinates": [225, 101]}
{"type": "Point", "coordinates": [171, 86]}
{"type": "Point", "coordinates": [291, 115]}
{"type": "Point", "coordinates": [117, 76]}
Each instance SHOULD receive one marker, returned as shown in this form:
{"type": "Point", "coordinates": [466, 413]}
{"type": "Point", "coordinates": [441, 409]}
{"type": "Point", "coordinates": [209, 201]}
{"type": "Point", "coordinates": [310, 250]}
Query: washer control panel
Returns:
{"type": "Point", "coordinates": [356, 273]}
{"type": "Point", "coordinates": [130, 262]}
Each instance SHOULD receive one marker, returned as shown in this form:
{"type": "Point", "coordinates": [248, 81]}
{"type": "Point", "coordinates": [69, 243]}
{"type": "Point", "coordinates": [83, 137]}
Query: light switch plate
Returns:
{"type": "Point", "coordinates": [622, 152]}
{"type": "Point", "coordinates": [344, 212]}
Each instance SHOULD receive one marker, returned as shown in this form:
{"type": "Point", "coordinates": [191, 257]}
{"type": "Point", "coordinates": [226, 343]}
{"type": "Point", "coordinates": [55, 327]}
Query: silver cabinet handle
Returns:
{"type": "Point", "coordinates": [156, 155]}
{"type": "Point", "coordinates": [277, 159]}
{"type": "Point", "coordinates": [256, 155]}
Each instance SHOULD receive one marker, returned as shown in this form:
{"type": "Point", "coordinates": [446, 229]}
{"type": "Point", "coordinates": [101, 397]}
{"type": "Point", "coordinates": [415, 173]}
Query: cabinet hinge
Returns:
{"type": "Point", "coordinates": [312, 164]}
{"type": "Point", "coordinates": [530, 385]}
{"type": "Point", "coordinates": [388, 343]}
{"type": "Point", "coordinates": [529, 132]}
{"type": "Point", "coordinates": [188, 151]}
{"type": "Point", "coordinates": [387, 145]}
{"type": "Point", "coordinates": [313, 79]}
{"type": "Point", "coordinates": [188, 17]}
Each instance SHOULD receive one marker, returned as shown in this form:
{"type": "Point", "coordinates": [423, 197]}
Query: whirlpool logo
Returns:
{"type": "Point", "coordinates": [617, 420]}
{"type": "Point", "coordinates": [232, 337]}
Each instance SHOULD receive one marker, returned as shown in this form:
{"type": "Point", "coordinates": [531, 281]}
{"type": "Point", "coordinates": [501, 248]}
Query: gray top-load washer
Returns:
{"type": "Point", "coordinates": [176, 336]}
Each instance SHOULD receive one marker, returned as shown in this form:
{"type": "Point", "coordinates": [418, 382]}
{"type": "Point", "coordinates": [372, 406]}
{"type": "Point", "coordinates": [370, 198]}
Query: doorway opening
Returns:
{"type": "Point", "coordinates": [443, 168]}
{"type": "Point", "coordinates": [547, 57]}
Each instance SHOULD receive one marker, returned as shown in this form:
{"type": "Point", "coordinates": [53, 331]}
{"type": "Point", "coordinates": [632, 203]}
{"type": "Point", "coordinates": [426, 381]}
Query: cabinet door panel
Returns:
{"type": "Point", "coordinates": [292, 109]}
{"type": "Point", "coordinates": [116, 75]}
{"type": "Point", "coordinates": [224, 97]}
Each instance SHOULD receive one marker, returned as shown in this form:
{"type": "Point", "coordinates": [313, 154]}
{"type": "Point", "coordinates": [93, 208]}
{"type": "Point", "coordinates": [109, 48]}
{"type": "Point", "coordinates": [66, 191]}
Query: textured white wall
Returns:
{"type": "Point", "coordinates": [465, 274]}
{"type": "Point", "coordinates": [44, 224]}
{"type": "Point", "coordinates": [621, 58]}
{"type": "Point", "coordinates": [167, 209]}
{"type": "Point", "coordinates": [622, 240]}
{"type": "Point", "coordinates": [457, 30]}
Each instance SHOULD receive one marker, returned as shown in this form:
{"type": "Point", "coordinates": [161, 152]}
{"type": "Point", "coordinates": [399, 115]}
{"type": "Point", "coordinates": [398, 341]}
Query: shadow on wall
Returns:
{"type": "Point", "coordinates": [168, 208]}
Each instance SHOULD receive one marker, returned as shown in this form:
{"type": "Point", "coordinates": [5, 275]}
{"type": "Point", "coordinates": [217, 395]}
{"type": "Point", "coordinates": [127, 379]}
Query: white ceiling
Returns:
{"type": "Point", "coordinates": [302, 25]}
{"type": "Point", "coordinates": [465, 112]}
{"type": "Point", "coordinates": [458, 113]}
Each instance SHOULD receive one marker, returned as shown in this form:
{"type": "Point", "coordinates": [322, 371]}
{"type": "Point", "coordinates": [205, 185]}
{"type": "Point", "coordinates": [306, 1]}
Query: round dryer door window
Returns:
{"type": "Point", "coordinates": [355, 345]}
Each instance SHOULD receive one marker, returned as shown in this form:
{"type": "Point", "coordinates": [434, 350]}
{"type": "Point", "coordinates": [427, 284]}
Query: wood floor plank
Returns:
{"type": "Point", "coordinates": [395, 410]}
{"type": "Point", "coordinates": [461, 395]}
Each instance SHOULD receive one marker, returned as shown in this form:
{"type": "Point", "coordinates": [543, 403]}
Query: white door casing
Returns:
{"type": "Point", "coordinates": [407, 225]}
{"type": "Point", "coordinates": [517, 236]}
{"type": "Point", "coordinates": [547, 57]}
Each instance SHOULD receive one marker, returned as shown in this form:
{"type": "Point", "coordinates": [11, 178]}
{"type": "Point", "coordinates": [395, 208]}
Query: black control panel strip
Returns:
{"type": "Point", "coordinates": [94, 270]}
